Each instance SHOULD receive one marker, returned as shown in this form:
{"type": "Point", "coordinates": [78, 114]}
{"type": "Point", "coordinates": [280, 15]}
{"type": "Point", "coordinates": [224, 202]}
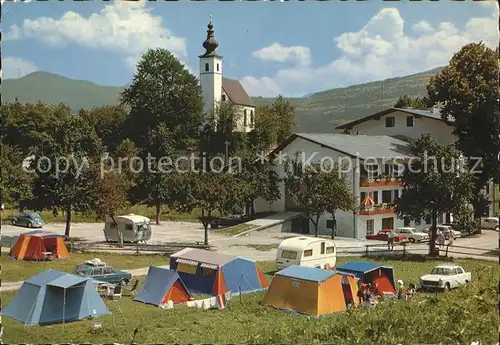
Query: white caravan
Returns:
{"type": "Point", "coordinates": [306, 251]}
{"type": "Point", "coordinates": [133, 228]}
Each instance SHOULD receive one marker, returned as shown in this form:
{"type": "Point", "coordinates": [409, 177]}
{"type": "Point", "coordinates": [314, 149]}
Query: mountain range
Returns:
{"type": "Point", "coordinates": [317, 112]}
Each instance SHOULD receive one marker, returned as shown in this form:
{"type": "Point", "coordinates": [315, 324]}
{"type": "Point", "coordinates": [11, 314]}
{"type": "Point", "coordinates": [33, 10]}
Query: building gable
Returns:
{"type": "Point", "coordinates": [236, 93]}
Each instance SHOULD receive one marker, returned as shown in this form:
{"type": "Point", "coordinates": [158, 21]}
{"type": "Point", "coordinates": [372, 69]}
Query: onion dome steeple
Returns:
{"type": "Point", "coordinates": [210, 44]}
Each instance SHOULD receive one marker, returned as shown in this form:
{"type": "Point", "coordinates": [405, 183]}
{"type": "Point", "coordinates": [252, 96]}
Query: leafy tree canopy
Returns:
{"type": "Point", "coordinates": [318, 189]}
{"type": "Point", "coordinates": [469, 92]}
{"type": "Point", "coordinates": [406, 101]}
{"type": "Point", "coordinates": [435, 181]}
{"type": "Point", "coordinates": [163, 91]}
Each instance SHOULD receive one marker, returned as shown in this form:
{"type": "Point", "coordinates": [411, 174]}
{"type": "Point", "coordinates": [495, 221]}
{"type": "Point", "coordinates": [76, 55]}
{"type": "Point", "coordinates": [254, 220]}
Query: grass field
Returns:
{"type": "Point", "coordinates": [14, 270]}
{"type": "Point", "coordinates": [143, 210]}
{"type": "Point", "coordinates": [458, 317]}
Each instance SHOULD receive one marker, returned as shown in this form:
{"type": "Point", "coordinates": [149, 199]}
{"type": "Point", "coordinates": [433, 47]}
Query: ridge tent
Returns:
{"type": "Point", "coordinates": [35, 244]}
{"type": "Point", "coordinates": [162, 285]}
{"type": "Point", "coordinates": [211, 273]}
{"type": "Point", "coordinates": [311, 291]}
{"type": "Point", "coordinates": [55, 297]}
{"type": "Point", "coordinates": [382, 277]}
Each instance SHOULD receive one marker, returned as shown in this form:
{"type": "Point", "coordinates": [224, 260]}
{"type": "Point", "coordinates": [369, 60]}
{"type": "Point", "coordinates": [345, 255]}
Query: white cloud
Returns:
{"type": "Point", "coordinates": [13, 67]}
{"type": "Point", "coordinates": [423, 27]}
{"type": "Point", "coordinates": [277, 52]}
{"type": "Point", "coordinates": [124, 27]}
{"type": "Point", "coordinates": [381, 49]}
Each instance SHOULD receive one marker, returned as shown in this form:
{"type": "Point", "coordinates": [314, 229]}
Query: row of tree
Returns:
{"type": "Point", "coordinates": [95, 162]}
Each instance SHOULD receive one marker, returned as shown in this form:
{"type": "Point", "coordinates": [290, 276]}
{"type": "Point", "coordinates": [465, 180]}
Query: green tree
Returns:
{"type": "Point", "coordinates": [108, 123]}
{"type": "Point", "coordinates": [275, 122]}
{"type": "Point", "coordinates": [435, 182]}
{"type": "Point", "coordinates": [16, 182]}
{"type": "Point", "coordinates": [67, 168]}
{"type": "Point", "coordinates": [163, 91]}
{"type": "Point", "coordinates": [159, 182]}
{"type": "Point", "coordinates": [26, 126]}
{"type": "Point", "coordinates": [406, 101]}
{"type": "Point", "coordinates": [258, 178]}
{"type": "Point", "coordinates": [318, 189]}
{"type": "Point", "coordinates": [468, 90]}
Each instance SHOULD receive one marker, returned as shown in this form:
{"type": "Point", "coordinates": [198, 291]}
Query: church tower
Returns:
{"type": "Point", "coordinates": [210, 73]}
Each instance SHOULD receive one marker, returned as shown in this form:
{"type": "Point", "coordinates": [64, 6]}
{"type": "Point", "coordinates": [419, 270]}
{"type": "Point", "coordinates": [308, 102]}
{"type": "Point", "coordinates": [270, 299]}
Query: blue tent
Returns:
{"type": "Point", "coordinates": [55, 297]}
{"type": "Point", "coordinates": [371, 272]}
{"type": "Point", "coordinates": [211, 273]}
{"type": "Point", "coordinates": [162, 285]}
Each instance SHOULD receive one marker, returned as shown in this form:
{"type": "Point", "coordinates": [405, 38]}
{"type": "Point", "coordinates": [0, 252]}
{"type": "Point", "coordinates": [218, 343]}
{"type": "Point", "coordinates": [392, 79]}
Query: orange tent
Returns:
{"type": "Point", "coordinates": [36, 244]}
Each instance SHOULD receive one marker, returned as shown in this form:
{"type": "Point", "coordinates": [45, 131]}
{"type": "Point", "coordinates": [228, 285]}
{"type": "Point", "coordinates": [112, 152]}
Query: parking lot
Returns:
{"type": "Point", "coordinates": [258, 245]}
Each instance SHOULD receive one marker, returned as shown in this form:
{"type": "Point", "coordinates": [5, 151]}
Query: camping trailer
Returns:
{"type": "Point", "coordinates": [133, 228]}
{"type": "Point", "coordinates": [306, 251]}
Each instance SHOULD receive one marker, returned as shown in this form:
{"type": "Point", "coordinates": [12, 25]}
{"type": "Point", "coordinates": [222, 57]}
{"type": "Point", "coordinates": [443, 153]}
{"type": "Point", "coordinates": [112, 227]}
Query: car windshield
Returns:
{"type": "Point", "coordinates": [82, 271]}
{"type": "Point", "coordinates": [442, 271]}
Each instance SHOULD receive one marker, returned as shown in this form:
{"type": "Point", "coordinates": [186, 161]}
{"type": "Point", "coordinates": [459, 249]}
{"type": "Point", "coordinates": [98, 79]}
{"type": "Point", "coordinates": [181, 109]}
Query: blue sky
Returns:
{"type": "Point", "coordinates": [290, 48]}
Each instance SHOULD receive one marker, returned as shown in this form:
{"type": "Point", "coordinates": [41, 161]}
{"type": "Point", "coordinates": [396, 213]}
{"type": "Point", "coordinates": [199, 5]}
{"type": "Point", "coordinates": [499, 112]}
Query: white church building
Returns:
{"type": "Point", "coordinates": [216, 89]}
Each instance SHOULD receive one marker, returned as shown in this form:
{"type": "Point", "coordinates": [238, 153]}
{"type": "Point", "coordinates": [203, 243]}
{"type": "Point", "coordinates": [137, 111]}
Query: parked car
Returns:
{"type": "Point", "coordinates": [492, 223]}
{"type": "Point", "coordinates": [231, 220]}
{"type": "Point", "coordinates": [445, 277]}
{"type": "Point", "coordinates": [100, 271]}
{"type": "Point", "coordinates": [383, 235]}
{"type": "Point", "coordinates": [413, 234]}
{"type": "Point", "coordinates": [446, 229]}
{"type": "Point", "coordinates": [28, 219]}
{"type": "Point", "coordinates": [306, 251]}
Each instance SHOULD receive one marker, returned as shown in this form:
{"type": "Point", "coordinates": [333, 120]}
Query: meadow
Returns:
{"type": "Point", "coordinates": [458, 317]}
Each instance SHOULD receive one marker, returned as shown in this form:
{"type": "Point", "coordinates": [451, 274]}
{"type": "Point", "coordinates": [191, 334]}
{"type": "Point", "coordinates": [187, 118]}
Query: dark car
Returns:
{"type": "Point", "coordinates": [102, 272]}
{"type": "Point", "coordinates": [231, 220]}
{"type": "Point", "coordinates": [28, 219]}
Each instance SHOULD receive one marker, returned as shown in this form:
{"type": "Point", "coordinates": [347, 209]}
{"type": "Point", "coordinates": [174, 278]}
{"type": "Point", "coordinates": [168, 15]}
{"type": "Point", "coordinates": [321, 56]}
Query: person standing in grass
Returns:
{"type": "Point", "coordinates": [361, 294]}
{"type": "Point", "coordinates": [401, 290]}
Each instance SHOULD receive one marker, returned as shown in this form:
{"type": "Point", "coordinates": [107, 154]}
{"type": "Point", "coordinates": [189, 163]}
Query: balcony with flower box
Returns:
{"type": "Point", "coordinates": [379, 209]}
{"type": "Point", "coordinates": [380, 181]}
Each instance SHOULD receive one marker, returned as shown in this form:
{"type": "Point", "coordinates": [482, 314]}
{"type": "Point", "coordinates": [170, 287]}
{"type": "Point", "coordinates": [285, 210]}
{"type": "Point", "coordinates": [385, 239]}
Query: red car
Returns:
{"type": "Point", "coordinates": [382, 235]}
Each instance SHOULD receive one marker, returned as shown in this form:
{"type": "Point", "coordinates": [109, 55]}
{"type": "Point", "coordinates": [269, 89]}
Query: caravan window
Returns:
{"type": "Point", "coordinates": [287, 254]}
{"type": "Point", "coordinates": [308, 252]}
{"type": "Point", "coordinates": [129, 227]}
{"type": "Point", "coordinates": [208, 271]}
{"type": "Point", "coordinates": [330, 250]}
{"type": "Point", "coordinates": [322, 247]}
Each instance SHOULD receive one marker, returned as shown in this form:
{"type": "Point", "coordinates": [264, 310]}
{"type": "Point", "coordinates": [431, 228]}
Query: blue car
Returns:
{"type": "Point", "coordinates": [28, 219]}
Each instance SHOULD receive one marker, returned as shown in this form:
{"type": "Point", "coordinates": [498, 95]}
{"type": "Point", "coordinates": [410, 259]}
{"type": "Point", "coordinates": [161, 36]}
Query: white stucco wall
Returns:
{"type": "Point", "coordinates": [312, 153]}
{"type": "Point", "coordinates": [437, 129]}
{"type": "Point", "coordinates": [240, 120]}
{"type": "Point", "coordinates": [211, 83]}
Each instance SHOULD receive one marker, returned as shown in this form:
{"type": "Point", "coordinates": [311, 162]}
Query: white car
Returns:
{"type": "Point", "coordinates": [491, 223]}
{"type": "Point", "coordinates": [445, 277]}
{"type": "Point", "coordinates": [413, 234]}
{"type": "Point", "coordinates": [446, 229]}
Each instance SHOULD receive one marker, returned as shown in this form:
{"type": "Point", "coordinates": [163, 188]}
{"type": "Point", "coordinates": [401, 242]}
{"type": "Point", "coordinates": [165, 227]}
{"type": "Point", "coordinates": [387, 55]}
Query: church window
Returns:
{"type": "Point", "coordinates": [207, 67]}
{"type": "Point", "coordinates": [217, 67]}
{"type": "Point", "coordinates": [223, 98]}
{"type": "Point", "coordinates": [252, 119]}
{"type": "Point", "coordinates": [245, 117]}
